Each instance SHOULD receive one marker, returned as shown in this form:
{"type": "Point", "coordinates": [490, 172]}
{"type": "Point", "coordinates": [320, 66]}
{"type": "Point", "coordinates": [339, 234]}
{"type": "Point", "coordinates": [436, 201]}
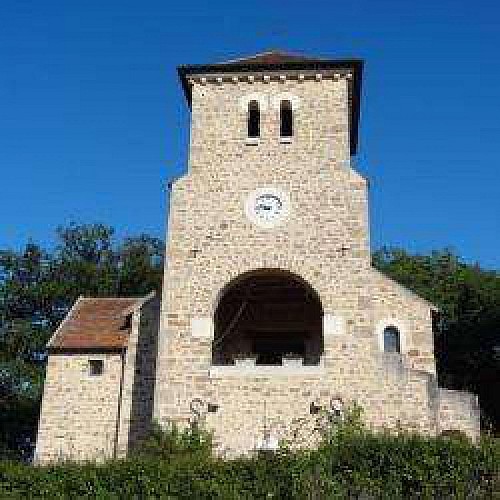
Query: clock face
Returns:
{"type": "Point", "coordinates": [266, 207]}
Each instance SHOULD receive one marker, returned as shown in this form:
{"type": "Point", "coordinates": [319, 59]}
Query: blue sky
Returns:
{"type": "Point", "coordinates": [93, 123]}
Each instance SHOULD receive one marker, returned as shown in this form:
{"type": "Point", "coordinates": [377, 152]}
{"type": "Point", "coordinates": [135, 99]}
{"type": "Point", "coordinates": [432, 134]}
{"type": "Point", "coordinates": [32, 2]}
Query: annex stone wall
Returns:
{"type": "Point", "coordinates": [79, 411]}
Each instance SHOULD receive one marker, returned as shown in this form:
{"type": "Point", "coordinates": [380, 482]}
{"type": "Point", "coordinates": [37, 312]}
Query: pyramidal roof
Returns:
{"type": "Point", "coordinates": [272, 57]}
{"type": "Point", "coordinates": [270, 60]}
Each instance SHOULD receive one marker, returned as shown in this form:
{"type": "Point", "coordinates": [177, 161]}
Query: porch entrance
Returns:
{"type": "Point", "coordinates": [268, 315]}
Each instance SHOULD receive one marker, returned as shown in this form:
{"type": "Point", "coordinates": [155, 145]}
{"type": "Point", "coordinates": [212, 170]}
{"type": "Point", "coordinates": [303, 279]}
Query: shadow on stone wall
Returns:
{"type": "Point", "coordinates": [141, 415]}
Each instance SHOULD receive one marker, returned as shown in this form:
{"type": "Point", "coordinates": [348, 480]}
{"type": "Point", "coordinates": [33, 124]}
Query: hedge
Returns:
{"type": "Point", "coordinates": [348, 464]}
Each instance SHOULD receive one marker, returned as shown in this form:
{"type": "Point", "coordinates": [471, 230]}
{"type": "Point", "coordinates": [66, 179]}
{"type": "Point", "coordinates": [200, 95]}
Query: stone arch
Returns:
{"type": "Point", "coordinates": [268, 314]}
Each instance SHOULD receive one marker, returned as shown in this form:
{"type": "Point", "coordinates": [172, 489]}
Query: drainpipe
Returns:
{"type": "Point", "coordinates": [119, 407]}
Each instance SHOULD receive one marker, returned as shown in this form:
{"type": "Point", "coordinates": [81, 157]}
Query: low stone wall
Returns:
{"type": "Point", "coordinates": [458, 411]}
{"type": "Point", "coordinates": [249, 402]}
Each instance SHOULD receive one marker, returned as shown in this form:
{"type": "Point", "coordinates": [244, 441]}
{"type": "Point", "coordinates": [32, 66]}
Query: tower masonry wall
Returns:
{"type": "Point", "coordinates": [324, 240]}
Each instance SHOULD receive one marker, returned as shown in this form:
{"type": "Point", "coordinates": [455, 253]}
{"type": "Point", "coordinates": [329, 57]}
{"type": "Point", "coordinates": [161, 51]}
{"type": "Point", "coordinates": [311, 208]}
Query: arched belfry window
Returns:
{"type": "Point", "coordinates": [392, 339]}
{"type": "Point", "coordinates": [286, 119]}
{"type": "Point", "coordinates": [253, 119]}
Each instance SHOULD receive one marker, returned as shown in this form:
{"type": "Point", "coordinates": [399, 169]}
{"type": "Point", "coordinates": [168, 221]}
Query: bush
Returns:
{"type": "Point", "coordinates": [351, 462]}
{"type": "Point", "coordinates": [163, 443]}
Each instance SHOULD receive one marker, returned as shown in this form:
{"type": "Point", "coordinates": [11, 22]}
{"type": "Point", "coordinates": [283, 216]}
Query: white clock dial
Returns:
{"type": "Point", "coordinates": [266, 207]}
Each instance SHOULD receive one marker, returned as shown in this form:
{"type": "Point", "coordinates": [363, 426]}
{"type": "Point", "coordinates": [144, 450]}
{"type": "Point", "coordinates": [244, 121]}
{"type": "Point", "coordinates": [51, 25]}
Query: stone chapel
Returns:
{"type": "Point", "coordinates": [270, 313]}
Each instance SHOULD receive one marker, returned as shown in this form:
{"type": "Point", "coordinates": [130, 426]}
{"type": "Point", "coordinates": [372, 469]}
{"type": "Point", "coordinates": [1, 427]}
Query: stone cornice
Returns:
{"type": "Point", "coordinates": [267, 77]}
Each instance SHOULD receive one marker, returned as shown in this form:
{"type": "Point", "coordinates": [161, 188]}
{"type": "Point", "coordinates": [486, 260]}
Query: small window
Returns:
{"type": "Point", "coordinates": [96, 367]}
{"type": "Point", "coordinates": [127, 323]}
{"type": "Point", "coordinates": [392, 341]}
{"type": "Point", "coordinates": [253, 119]}
{"type": "Point", "coordinates": [286, 119]}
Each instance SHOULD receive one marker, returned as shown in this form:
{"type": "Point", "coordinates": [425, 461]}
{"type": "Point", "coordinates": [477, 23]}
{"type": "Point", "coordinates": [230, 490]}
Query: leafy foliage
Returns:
{"type": "Point", "coordinates": [169, 441]}
{"type": "Point", "coordinates": [351, 463]}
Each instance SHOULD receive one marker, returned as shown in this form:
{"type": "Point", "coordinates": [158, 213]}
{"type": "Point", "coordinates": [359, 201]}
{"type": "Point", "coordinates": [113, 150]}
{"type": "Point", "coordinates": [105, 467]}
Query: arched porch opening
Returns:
{"type": "Point", "coordinates": [268, 315]}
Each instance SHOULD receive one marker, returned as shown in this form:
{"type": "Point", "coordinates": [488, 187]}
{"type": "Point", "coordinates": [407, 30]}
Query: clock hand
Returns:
{"type": "Point", "coordinates": [263, 207]}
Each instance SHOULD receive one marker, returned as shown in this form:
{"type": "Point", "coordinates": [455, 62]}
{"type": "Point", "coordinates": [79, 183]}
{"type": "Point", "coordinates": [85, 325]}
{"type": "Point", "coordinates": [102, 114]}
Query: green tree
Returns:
{"type": "Point", "coordinates": [141, 265]}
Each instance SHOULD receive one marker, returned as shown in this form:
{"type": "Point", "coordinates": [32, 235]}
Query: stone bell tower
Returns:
{"type": "Point", "coordinates": [270, 307]}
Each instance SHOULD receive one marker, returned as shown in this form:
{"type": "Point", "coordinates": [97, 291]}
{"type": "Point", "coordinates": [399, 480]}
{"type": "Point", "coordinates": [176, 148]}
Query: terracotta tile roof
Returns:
{"type": "Point", "coordinates": [95, 324]}
{"type": "Point", "coordinates": [272, 57]}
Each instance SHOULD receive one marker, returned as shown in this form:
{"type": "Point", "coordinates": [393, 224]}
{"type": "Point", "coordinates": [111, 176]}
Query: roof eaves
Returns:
{"type": "Point", "coordinates": [87, 350]}
{"type": "Point", "coordinates": [241, 66]}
